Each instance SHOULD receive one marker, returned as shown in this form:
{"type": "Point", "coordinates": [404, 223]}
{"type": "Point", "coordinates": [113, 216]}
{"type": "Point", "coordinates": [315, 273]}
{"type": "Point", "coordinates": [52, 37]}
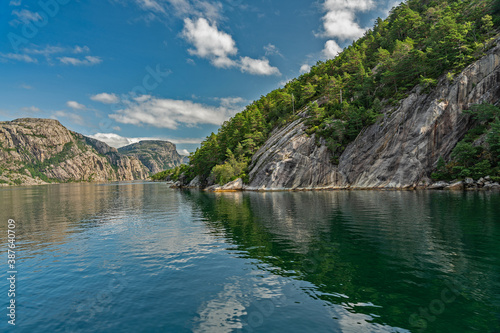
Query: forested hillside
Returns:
{"type": "Point", "coordinates": [419, 42]}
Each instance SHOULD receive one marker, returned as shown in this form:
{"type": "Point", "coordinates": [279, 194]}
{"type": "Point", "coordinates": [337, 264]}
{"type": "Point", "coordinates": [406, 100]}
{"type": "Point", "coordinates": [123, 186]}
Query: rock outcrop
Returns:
{"type": "Point", "coordinates": [155, 155]}
{"type": "Point", "coordinates": [37, 151]}
{"type": "Point", "coordinates": [399, 151]}
{"type": "Point", "coordinates": [290, 159]}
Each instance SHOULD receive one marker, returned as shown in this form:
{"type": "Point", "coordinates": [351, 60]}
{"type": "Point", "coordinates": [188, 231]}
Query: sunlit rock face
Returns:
{"type": "Point", "coordinates": [156, 155]}
{"type": "Point", "coordinates": [399, 151]}
{"type": "Point", "coordinates": [36, 150]}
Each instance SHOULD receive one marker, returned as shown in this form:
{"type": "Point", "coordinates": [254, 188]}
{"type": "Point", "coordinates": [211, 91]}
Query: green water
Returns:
{"type": "Point", "coordinates": [141, 257]}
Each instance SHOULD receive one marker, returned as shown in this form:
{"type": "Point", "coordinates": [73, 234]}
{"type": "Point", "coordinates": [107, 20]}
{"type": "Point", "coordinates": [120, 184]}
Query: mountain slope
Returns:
{"type": "Point", "coordinates": [398, 151]}
{"type": "Point", "coordinates": [396, 67]}
{"type": "Point", "coordinates": [37, 151]}
{"type": "Point", "coordinates": [155, 155]}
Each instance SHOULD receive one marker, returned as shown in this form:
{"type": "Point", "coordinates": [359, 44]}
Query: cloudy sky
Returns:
{"type": "Point", "coordinates": [125, 70]}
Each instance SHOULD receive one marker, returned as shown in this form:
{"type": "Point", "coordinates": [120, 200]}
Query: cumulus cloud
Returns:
{"type": "Point", "coordinates": [117, 141]}
{"type": "Point", "coordinates": [75, 105]}
{"type": "Point", "coordinates": [184, 152]}
{"type": "Point", "coordinates": [169, 113]}
{"type": "Point", "coordinates": [340, 18]}
{"type": "Point", "coordinates": [217, 46]}
{"type": "Point", "coordinates": [209, 42]}
{"type": "Point", "coordinates": [87, 61]}
{"type": "Point", "coordinates": [331, 49]}
{"type": "Point", "coordinates": [105, 98]}
{"type": "Point", "coordinates": [305, 68]}
{"type": "Point", "coordinates": [258, 67]}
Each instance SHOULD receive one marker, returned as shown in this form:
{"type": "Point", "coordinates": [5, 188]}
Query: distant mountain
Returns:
{"type": "Point", "coordinates": [38, 151]}
{"type": "Point", "coordinates": [155, 155]}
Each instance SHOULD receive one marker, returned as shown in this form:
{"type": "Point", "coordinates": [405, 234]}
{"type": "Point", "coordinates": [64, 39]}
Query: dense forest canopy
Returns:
{"type": "Point", "coordinates": [420, 41]}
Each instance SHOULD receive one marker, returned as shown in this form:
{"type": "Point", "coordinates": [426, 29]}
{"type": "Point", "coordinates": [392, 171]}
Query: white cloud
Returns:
{"type": "Point", "coordinates": [26, 16]}
{"type": "Point", "coordinates": [81, 49]}
{"type": "Point", "coordinates": [180, 8]}
{"type": "Point", "coordinates": [284, 82]}
{"type": "Point", "coordinates": [34, 52]}
{"type": "Point", "coordinates": [31, 109]}
{"type": "Point", "coordinates": [105, 98]}
{"type": "Point", "coordinates": [184, 152]}
{"type": "Point", "coordinates": [209, 42]}
{"type": "Point", "coordinates": [169, 113]}
{"type": "Point", "coordinates": [151, 5]}
{"type": "Point", "coordinates": [87, 61]}
{"type": "Point", "coordinates": [117, 141]}
{"type": "Point", "coordinates": [75, 105]}
{"type": "Point", "coordinates": [74, 118]}
{"type": "Point", "coordinates": [217, 46]}
{"type": "Point", "coordinates": [15, 3]}
{"type": "Point", "coordinates": [305, 68]}
{"type": "Point", "coordinates": [258, 67]}
{"type": "Point", "coordinates": [45, 51]}
{"type": "Point", "coordinates": [231, 102]}
{"type": "Point", "coordinates": [17, 57]}
{"type": "Point", "coordinates": [117, 128]}
{"type": "Point", "coordinates": [272, 50]}
{"type": "Point", "coordinates": [340, 18]}
{"type": "Point", "coordinates": [331, 49]}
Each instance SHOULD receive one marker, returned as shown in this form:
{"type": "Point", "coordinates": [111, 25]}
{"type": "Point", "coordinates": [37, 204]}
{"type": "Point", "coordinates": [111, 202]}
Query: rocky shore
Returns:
{"type": "Point", "coordinates": [468, 184]}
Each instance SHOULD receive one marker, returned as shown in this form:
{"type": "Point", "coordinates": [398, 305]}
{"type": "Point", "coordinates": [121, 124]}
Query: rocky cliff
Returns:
{"type": "Point", "coordinates": [155, 155]}
{"type": "Point", "coordinates": [37, 151]}
{"type": "Point", "coordinates": [399, 151]}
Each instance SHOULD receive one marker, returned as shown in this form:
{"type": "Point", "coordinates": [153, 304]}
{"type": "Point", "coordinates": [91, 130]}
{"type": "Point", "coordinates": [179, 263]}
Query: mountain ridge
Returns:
{"type": "Point", "coordinates": [36, 151]}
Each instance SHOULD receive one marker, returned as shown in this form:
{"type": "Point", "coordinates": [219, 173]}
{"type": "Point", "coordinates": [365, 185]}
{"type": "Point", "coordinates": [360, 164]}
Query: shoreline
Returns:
{"type": "Point", "coordinates": [483, 184]}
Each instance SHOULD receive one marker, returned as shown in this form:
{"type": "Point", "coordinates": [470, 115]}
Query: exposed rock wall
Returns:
{"type": "Point", "coordinates": [399, 151]}
{"type": "Point", "coordinates": [34, 151]}
{"type": "Point", "coordinates": [155, 155]}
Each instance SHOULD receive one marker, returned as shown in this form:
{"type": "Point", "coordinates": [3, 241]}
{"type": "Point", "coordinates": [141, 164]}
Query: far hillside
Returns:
{"type": "Point", "coordinates": [156, 155]}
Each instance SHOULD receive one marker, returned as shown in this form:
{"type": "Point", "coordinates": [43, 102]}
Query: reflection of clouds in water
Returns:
{"type": "Point", "coordinates": [350, 322]}
{"type": "Point", "coordinates": [262, 300]}
{"type": "Point", "coordinates": [223, 312]}
{"type": "Point", "coordinates": [238, 303]}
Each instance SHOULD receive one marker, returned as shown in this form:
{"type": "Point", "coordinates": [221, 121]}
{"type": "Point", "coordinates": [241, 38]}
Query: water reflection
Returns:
{"type": "Point", "coordinates": [143, 257]}
{"type": "Point", "coordinates": [385, 255]}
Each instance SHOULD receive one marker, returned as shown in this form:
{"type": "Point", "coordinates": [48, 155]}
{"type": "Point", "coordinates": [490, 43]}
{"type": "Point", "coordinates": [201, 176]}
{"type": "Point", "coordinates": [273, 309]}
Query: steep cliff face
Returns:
{"type": "Point", "coordinates": [399, 151]}
{"type": "Point", "coordinates": [291, 159]}
{"type": "Point", "coordinates": [155, 155]}
{"type": "Point", "coordinates": [36, 151]}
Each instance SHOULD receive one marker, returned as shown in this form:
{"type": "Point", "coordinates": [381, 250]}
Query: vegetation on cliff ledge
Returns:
{"type": "Point", "coordinates": [478, 153]}
{"type": "Point", "coordinates": [420, 41]}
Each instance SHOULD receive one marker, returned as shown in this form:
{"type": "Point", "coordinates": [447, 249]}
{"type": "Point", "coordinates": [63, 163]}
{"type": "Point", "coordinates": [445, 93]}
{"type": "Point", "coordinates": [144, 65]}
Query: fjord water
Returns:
{"type": "Point", "coordinates": [141, 257]}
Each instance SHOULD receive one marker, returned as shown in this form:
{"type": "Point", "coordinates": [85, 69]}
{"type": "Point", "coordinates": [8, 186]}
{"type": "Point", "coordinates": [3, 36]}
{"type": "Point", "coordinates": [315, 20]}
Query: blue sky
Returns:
{"type": "Point", "coordinates": [124, 70]}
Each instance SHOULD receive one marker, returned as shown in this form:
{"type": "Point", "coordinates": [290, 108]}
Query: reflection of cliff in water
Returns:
{"type": "Point", "coordinates": [394, 250]}
{"type": "Point", "coordinates": [48, 215]}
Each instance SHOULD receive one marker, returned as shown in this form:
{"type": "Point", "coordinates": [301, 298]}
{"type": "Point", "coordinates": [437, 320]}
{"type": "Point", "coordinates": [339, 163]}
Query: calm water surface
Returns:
{"type": "Point", "coordinates": [140, 257]}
